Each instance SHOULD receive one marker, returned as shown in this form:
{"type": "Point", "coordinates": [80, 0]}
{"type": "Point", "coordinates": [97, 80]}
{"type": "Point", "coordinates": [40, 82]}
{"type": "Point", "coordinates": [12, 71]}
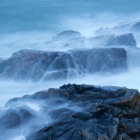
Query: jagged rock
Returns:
{"type": "Point", "coordinates": [41, 65]}
{"type": "Point", "coordinates": [82, 112]}
{"type": "Point", "coordinates": [99, 117]}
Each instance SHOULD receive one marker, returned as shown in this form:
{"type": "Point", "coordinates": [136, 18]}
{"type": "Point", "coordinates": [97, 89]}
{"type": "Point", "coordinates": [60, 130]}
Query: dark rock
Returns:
{"type": "Point", "coordinates": [124, 137]}
{"type": "Point", "coordinates": [103, 115]}
{"type": "Point", "coordinates": [61, 113]}
{"type": "Point", "coordinates": [13, 118]}
{"type": "Point", "coordinates": [41, 65]}
{"type": "Point", "coordinates": [136, 120]}
{"type": "Point", "coordinates": [132, 129]}
{"type": "Point", "coordinates": [100, 60]}
{"type": "Point", "coordinates": [103, 137]}
{"type": "Point", "coordinates": [30, 64]}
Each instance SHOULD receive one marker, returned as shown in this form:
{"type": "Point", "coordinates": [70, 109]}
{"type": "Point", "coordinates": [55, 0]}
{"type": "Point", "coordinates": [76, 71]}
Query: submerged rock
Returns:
{"type": "Point", "coordinates": [12, 118]}
{"type": "Point", "coordinates": [41, 65]}
{"type": "Point", "coordinates": [67, 39]}
{"type": "Point", "coordinates": [102, 113]}
{"type": "Point", "coordinates": [136, 27]}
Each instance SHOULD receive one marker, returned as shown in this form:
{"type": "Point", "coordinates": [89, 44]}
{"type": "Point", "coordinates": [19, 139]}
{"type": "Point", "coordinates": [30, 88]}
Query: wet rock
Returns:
{"type": "Point", "coordinates": [67, 39]}
{"type": "Point", "coordinates": [103, 137]}
{"type": "Point", "coordinates": [100, 60]}
{"type": "Point", "coordinates": [103, 116]}
{"type": "Point", "coordinates": [41, 65]}
{"type": "Point", "coordinates": [132, 129]}
{"type": "Point", "coordinates": [13, 118]}
{"type": "Point", "coordinates": [136, 27]}
{"type": "Point", "coordinates": [122, 40]}
{"type": "Point", "coordinates": [1, 60]}
{"type": "Point", "coordinates": [136, 120]}
{"type": "Point", "coordinates": [99, 41]}
{"type": "Point", "coordinates": [30, 64]}
{"type": "Point", "coordinates": [124, 137]}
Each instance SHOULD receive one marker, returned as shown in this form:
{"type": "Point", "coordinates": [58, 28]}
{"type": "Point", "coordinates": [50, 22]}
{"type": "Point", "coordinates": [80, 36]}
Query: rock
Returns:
{"type": "Point", "coordinates": [103, 137]}
{"type": "Point", "coordinates": [136, 27]}
{"type": "Point", "coordinates": [13, 118]}
{"type": "Point", "coordinates": [30, 64]}
{"type": "Point", "coordinates": [132, 129]}
{"type": "Point", "coordinates": [77, 112]}
{"type": "Point", "coordinates": [100, 117]}
{"type": "Point", "coordinates": [41, 65]}
{"type": "Point", "coordinates": [98, 41]}
{"type": "Point", "coordinates": [124, 137]}
{"type": "Point", "coordinates": [122, 40]}
{"type": "Point", "coordinates": [136, 120]}
{"type": "Point", "coordinates": [68, 39]}
{"type": "Point", "coordinates": [100, 60]}
{"type": "Point", "coordinates": [1, 60]}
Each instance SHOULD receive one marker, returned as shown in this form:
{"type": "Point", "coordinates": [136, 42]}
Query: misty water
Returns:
{"type": "Point", "coordinates": [31, 24]}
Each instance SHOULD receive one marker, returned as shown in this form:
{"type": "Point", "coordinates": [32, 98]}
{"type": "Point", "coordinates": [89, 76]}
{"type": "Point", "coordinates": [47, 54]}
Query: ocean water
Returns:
{"type": "Point", "coordinates": [28, 24]}
{"type": "Point", "coordinates": [37, 15]}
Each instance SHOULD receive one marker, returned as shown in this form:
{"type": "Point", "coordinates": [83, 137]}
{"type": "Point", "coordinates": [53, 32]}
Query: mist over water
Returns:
{"type": "Point", "coordinates": [33, 24]}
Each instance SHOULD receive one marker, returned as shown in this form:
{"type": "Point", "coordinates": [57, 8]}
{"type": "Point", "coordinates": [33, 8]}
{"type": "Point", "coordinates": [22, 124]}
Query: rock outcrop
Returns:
{"type": "Point", "coordinates": [123, 40]}
{"type": "Point", "coordinates": [94, 113]}
{"type": "Point", "coordinates": [37, 65]}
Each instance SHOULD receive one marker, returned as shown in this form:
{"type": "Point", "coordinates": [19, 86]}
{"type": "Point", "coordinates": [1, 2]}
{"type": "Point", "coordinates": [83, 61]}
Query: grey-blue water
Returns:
{"type": "Point", "coordinates": [33, 15]}
{"type": "Point", "coordinates": [29, 24]}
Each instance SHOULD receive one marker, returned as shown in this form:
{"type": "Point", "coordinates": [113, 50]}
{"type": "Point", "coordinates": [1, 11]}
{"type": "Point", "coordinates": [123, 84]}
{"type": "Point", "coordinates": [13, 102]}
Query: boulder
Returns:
{"type": "Point", "coordinates": [124, 40]}
{"type": "Point", "coordinates": [127, 40]}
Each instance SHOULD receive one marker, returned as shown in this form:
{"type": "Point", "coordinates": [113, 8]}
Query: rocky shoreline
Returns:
{"type": "Point", "coordinates": [78, 112]}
